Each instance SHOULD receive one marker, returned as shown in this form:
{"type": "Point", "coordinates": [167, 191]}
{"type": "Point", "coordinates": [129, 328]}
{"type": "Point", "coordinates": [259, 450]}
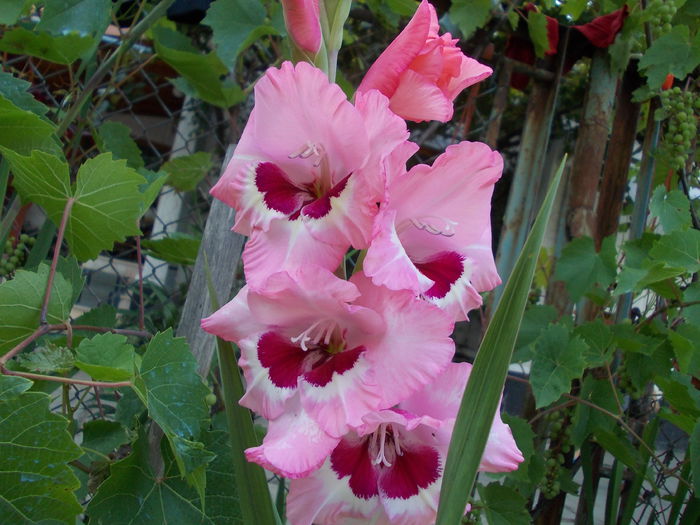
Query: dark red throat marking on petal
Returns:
{"type": "Point", "coordinates": [339, 363]}
{"type": "Point", "coordinates": [283, 359]}
{"type": "Point", "coordinates": [322, 206]}
{"type": "Point", "coordinates": [416, 469]}
{"type": "Point", "coordinates": [443, 269]}
{"type": "Point", "coordinates": [279, 193]}
{"type": "Point", "coordinates": [351, 458]}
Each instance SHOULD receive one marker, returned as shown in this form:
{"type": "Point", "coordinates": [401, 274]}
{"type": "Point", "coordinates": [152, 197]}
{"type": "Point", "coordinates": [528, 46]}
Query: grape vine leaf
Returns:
{"type": "Point", "coordinates": [86, 17]}
{"type": "Point", "coordinates": [12, 386]}
{"type": "Point", "coordinates": [535, 320]}
{"type": "Point", "coordinates": [673, 53]}
{"type": "Point", "coordinates": [61, 49]}
{"type": "Point", "coordinates": [48, 359]}
{"type": "Point", "coordinates": [537, 29]}
{"type": "Point", "coordinates": [672, 208]}
{"type": "Point", "coordinates": [234, 23]}
{"type": "Point", "coordinates": [503, 505]}
{"type": "Point", "coordinates": [581, 267]}
{"type": "Point", "coordinates": [11, 10]}
{"type": "Point", "coordinates": [586, 419]}
{"type": "Point", "coordinates": [22, 131]}
{"type": "Point", "coordinates": [185, 172]}
{"type": "Point", "coordinates": [134, 494]}
{"type": "Point", "coordinates": [201, 74]}
{"type": "Point", "coordinates": [36, 484]}
{"type": "Point", "coordinates": [524, 436]}
{"type": "Point", "coordinates": [106, 357]}
{"type": "Point", "coordinates": [680, 249]}
{"type": "Point", "coordinates": [115, 137]}
{"type": "Point", "coordinates": [558, 359]}
{"type": "Point", "coordinates": [178, 248]}
{"type": "Point", "coordinates": [15, 90]}
{"type": "Point", "coordinates": [172, 390]}
{"type": "Point", "coordinates": [107, 200]}
{"type": "Point", "coordinates": [20, 304]}
{"type": "Point", "coordinates": [574, 8]}
{"type": "Point", "coordinates": [469, 15]}
{"type": "Point", "coordinates": [599, 338]}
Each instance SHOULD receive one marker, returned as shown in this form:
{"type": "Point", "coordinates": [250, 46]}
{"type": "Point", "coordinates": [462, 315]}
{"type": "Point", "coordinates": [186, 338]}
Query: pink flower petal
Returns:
{"type": "Point", "coordinates": [324, 499]}
{"type": "Point", "coordinates": [386, 261]}
{"type": "Point", "coordinates": [415, 346]}
{"type": "Point", "coordinates": [294, 445]}
{"type": "Point", "coordinates": [501, 453]}
{"type": "Point", "coordinates": [384, 73]}
{"type": "Point", "coordinates": [287, 245]}
{"type": "Point", "coordinates": [418, 99]}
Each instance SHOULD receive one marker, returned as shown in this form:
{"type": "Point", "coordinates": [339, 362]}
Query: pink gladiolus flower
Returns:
{"type": "Point", "coordinates": [325, 351]}
{"type": "Point", "coordinates": [390, 469]}
{"type": "Point", "coordinates": [433, 232]}
{"type": "Point", "coordinates": [421, 72]}
{"type": "Point", "coordinates": [298, 177]}
{"type": "Point", "coordinates": [302, 20]}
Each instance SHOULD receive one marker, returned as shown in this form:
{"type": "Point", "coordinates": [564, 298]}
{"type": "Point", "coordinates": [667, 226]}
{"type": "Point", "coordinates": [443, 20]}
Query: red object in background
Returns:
{"type": "Point", "coordinates": [583, 39]}
{"type": "Point", "coordinates": [668, 83]}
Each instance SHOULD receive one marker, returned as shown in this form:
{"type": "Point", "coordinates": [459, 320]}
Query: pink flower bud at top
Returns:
{"type": "Point", "coordinates": [302, 20]}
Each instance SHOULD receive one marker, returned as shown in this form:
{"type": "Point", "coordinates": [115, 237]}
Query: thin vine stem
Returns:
{"type": "Point", "coordinates": [54, 262]}
{"type": "Point", "coordinates": [65, 380]}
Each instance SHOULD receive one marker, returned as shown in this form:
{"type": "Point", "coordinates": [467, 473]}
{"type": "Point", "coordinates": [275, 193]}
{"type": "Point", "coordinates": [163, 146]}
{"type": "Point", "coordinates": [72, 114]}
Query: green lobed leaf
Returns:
{"type": "Point", "coordinates": [680, 393]}
{"type": "Point", "coordinates": [673, 53]}
{"type": "Point", "coordinates": [535, 320]}
{"type": "Point", "coordinates": [11, 10]}
{"type": "Point", "coordinates": [581, 267]}
{"type": "Point", "coordinates": [232, 23]}
{"type": "Point", "coordinates": [12, 386]}
{"type": "Point", "coordinates": [115, 137]}
{"type": "Point", "coordinates": [679, 249]}
{"type": "Point", "coordinates": [48, 359]}
{"type": "Point", "coordinates": [70, 269]}
{"type": "Point", "coordinates": [503, 505]}
{"type": "Point", "coordinates": [691, 295]}
{"type": "Point", "coordinates": [537, 29]}
{"type": "Point", "coordinates": [574, 8]}
{"type": "Point", "coordinates": [470, 15]}
{"type": "Point", "coordinates": [599, 338]}
{"type": "Point", "coordinates": [178, 248]}
{"type": "Point", "coordinates": [134, 494]}
{"type": "Point", "coordinates": [15, 90]}
{"type": "Point", "coordinates": [619, 447]}
{"type": "Point", "coordinates": [22, 131]}
{"type": "Point", "coordinates": [482, 395]}
{"type": "Point", "coordinates": [62, 49]}
{"type": "Point", "coordinates": [151, 188]}
{"type": "Point", "coordinates": [185, 172]}
{"type": "Point", "coordinates": [200, 73]}
{"type": "Point", "coordinates": [20, 304]}
{"type": "Point", "coordinates": [172, 388]}
{"type": "Point", "coordinates": [86, 17]}
{"type": "Point", "coordinates": [107, 200]}
{"type": "Point", "coordinates": [36, 484]}
{"type": "Point", "coordinates": [106, 357]}
{"type": "Point", "coordinates": [104, 436]}
{"type": "Point", "coordinates": [524, 438]}
{"type": "Point", "coordinates": [586, 418]}
{"type": "Point", "coordinates": [558, 359]}
{"type": "Point", "coordinates": [672, 208]}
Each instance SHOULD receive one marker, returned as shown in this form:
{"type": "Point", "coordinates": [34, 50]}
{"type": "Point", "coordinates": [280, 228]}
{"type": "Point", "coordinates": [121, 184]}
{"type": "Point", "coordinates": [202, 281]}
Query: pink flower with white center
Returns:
{"type": "Point", "coordinates": [433, 232]}
{"type": "Point", "coordinates": [390, 469]}
{"type": "Point", "coordinates": [297, 176]}
{"type": "Point", "coordinates": [422, 72]}
{"type": "Point", "coordinates": [329, 352]}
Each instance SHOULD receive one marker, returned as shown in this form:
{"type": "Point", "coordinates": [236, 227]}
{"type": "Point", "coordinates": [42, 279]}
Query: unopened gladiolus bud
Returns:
{"type": "Point", "coordinates": [302, 20]}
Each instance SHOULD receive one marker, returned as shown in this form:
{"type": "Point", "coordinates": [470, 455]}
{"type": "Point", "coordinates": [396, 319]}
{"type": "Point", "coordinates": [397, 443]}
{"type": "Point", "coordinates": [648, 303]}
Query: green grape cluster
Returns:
{"type": "Point", "coordinates": [661, 14]}
{"type": "Point", "coordinates": [624, 381]}
{"type": "Point", "coordinates": [14, 255]}
{"type": "Point", "coordinates": [681, 108]}
{"type": "Point", "coordinates": [554, 457]}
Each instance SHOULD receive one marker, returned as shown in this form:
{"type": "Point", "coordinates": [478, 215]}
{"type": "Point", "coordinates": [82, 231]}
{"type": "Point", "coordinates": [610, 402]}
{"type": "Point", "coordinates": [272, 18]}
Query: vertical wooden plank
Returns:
{"type": "Point", "coordinates": [222, 249]}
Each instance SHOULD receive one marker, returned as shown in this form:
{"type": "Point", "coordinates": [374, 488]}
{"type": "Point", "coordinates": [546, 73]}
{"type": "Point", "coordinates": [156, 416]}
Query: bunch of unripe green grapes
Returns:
{"type": "Point", "coordinates": [15, 254]}
{"type": "Point", "coordinates": [661, 13]}
{"type": "Point", "coordinates": [681, 108]}
{"type": "Point", "coordinates": [554, 457]}
{"type": "Point", "coordinates": [624, 380]}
